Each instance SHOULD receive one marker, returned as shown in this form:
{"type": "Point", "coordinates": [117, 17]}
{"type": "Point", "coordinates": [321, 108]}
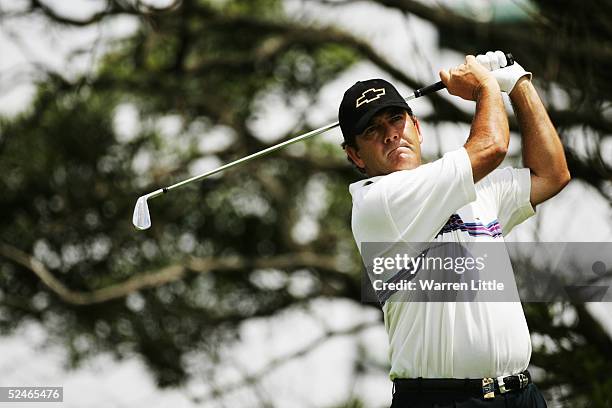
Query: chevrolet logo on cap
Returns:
{"type": "Point", "coordinates": [369, 96]}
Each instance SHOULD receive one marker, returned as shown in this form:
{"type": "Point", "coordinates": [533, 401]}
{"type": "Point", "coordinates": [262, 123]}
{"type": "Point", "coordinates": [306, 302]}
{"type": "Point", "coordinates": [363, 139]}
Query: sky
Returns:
{"type": "Point", "coordinates": [27, 359]}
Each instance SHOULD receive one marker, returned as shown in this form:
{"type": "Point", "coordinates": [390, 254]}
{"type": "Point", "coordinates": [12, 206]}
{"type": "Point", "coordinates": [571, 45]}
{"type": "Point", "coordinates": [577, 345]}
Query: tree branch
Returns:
{"type": "Point", "coordinates": [113, 8]}
{"type": "Point", "coordinates": [166, 275]}
{"type": "Point", "coordinates": [279, 361]}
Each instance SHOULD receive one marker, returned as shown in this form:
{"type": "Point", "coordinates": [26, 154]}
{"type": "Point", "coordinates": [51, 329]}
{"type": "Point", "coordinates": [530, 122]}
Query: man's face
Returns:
{"type": "Point", "coordinates": [391, 142]}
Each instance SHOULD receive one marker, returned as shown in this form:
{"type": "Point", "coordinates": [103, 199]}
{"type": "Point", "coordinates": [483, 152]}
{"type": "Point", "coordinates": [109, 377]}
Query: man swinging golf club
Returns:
{"type": "Point", "coordinates": [451, 354]}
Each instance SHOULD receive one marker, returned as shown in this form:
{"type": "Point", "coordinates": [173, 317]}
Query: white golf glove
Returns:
{"type": "Point", "coordinates": [506, 76]}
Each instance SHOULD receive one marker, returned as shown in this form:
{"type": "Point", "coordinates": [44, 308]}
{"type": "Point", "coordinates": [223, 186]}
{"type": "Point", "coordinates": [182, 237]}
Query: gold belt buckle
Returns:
{"type": "Point", "coordinates": [502, 384]}
{"type": "Point", "coordinates": [488, 388]}
{"type": "Point", "coordinates": [523, 380]}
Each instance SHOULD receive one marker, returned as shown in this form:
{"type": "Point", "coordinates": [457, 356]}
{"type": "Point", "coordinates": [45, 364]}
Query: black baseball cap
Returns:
{"type": "Point", "coordinates": [362, 101]}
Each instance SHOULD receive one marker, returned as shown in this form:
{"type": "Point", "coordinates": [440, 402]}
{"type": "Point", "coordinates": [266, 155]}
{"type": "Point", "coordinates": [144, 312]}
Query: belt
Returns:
{"type": "Point", "coordinates": [487, 386]}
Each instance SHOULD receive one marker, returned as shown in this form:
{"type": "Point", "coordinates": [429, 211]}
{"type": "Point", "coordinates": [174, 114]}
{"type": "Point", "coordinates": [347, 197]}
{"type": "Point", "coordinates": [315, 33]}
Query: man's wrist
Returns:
{"type": "Point", "coordinates": [520, 87]}
{"type": "Point", "coordinates": [486, 87]}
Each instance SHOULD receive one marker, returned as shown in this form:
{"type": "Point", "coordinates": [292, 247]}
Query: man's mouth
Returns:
{"type": "Point", "coordinates": [400, 149]}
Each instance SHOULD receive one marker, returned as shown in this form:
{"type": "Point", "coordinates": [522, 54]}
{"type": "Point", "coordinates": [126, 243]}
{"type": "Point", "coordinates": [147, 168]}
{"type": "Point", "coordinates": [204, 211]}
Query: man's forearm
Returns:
{"type": "Point", "coordinates": [542, 148]}
{"type": "Point", "coordinates": [489, 133]}
{"type": "Point", "coordinates": [490, 123]}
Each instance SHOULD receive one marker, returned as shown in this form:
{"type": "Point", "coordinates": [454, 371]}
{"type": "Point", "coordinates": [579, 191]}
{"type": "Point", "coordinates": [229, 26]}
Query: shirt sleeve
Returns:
{"type": "Point", "coordinates": [509, 191]}
{"type": "Point", "coordinates": [419, 202]}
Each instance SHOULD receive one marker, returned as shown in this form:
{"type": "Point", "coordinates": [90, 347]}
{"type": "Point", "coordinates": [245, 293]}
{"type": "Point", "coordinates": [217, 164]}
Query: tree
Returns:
{"type": "Point", "coordinates": [70, 178]}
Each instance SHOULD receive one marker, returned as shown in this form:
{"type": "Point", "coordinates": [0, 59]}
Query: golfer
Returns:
{"type": "Point", "coordinates": [453, 354]}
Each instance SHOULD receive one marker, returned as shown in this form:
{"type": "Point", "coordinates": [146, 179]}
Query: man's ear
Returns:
{"type": "Point", "coordinates": [353, 153]}
{"type": "Point", "coordinates": [418, 128]}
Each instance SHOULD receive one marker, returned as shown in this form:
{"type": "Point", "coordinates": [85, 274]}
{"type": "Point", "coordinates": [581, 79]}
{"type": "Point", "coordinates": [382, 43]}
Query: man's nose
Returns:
{"type": "Point", "coordinates": [391, 133]}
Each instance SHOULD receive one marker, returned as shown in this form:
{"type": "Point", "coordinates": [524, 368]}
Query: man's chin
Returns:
{"type": "Point", "coordinates": [405, 163]}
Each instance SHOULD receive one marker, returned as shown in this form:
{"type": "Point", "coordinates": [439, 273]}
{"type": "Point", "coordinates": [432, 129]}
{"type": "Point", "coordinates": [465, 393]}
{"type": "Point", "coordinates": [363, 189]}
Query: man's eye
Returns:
{"type": "Point", "coordinates": [370, 131]}
{"type": "Point", "coordinates": [397, 118]}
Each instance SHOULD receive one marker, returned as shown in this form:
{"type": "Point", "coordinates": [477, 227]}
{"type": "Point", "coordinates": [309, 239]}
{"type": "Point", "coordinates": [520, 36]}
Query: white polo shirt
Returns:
{"type": "Point", "coordinates": [439, 202]}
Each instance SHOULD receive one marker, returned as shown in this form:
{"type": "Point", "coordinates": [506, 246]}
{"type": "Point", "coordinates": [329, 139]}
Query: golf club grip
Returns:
{"type": "Point", "coordinates": [440, 85]}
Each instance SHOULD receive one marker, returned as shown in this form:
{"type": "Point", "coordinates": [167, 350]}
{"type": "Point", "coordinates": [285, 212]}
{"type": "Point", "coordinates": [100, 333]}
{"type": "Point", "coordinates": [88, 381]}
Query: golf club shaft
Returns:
{"type": "Point", "coordinates": [418, 93]}
{"type": "Point", "coordinates": [255, 155]}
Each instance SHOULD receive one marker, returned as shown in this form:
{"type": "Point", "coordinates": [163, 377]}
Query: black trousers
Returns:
{"type": "Point", "coordinates": [528, 397]}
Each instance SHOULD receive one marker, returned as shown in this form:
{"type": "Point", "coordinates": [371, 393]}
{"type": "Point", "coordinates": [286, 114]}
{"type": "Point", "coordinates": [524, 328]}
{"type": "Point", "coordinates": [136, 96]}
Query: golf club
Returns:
{"type": "Point", "coordinates": [142, 219]}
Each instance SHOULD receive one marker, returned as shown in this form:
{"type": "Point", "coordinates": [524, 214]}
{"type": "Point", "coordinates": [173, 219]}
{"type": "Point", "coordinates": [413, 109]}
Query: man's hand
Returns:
{"type": "Point", "coordinates": [468, 80]}
{"type": "Point", "coordinates": [506, 76]}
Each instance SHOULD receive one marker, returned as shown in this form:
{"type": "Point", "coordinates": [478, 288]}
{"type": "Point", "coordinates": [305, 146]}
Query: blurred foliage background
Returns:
{"type": "Point", "coordinates": [270, 236]}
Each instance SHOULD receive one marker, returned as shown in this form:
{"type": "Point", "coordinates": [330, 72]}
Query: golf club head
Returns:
{"type": "Point", "coordinates": [141, 218]}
